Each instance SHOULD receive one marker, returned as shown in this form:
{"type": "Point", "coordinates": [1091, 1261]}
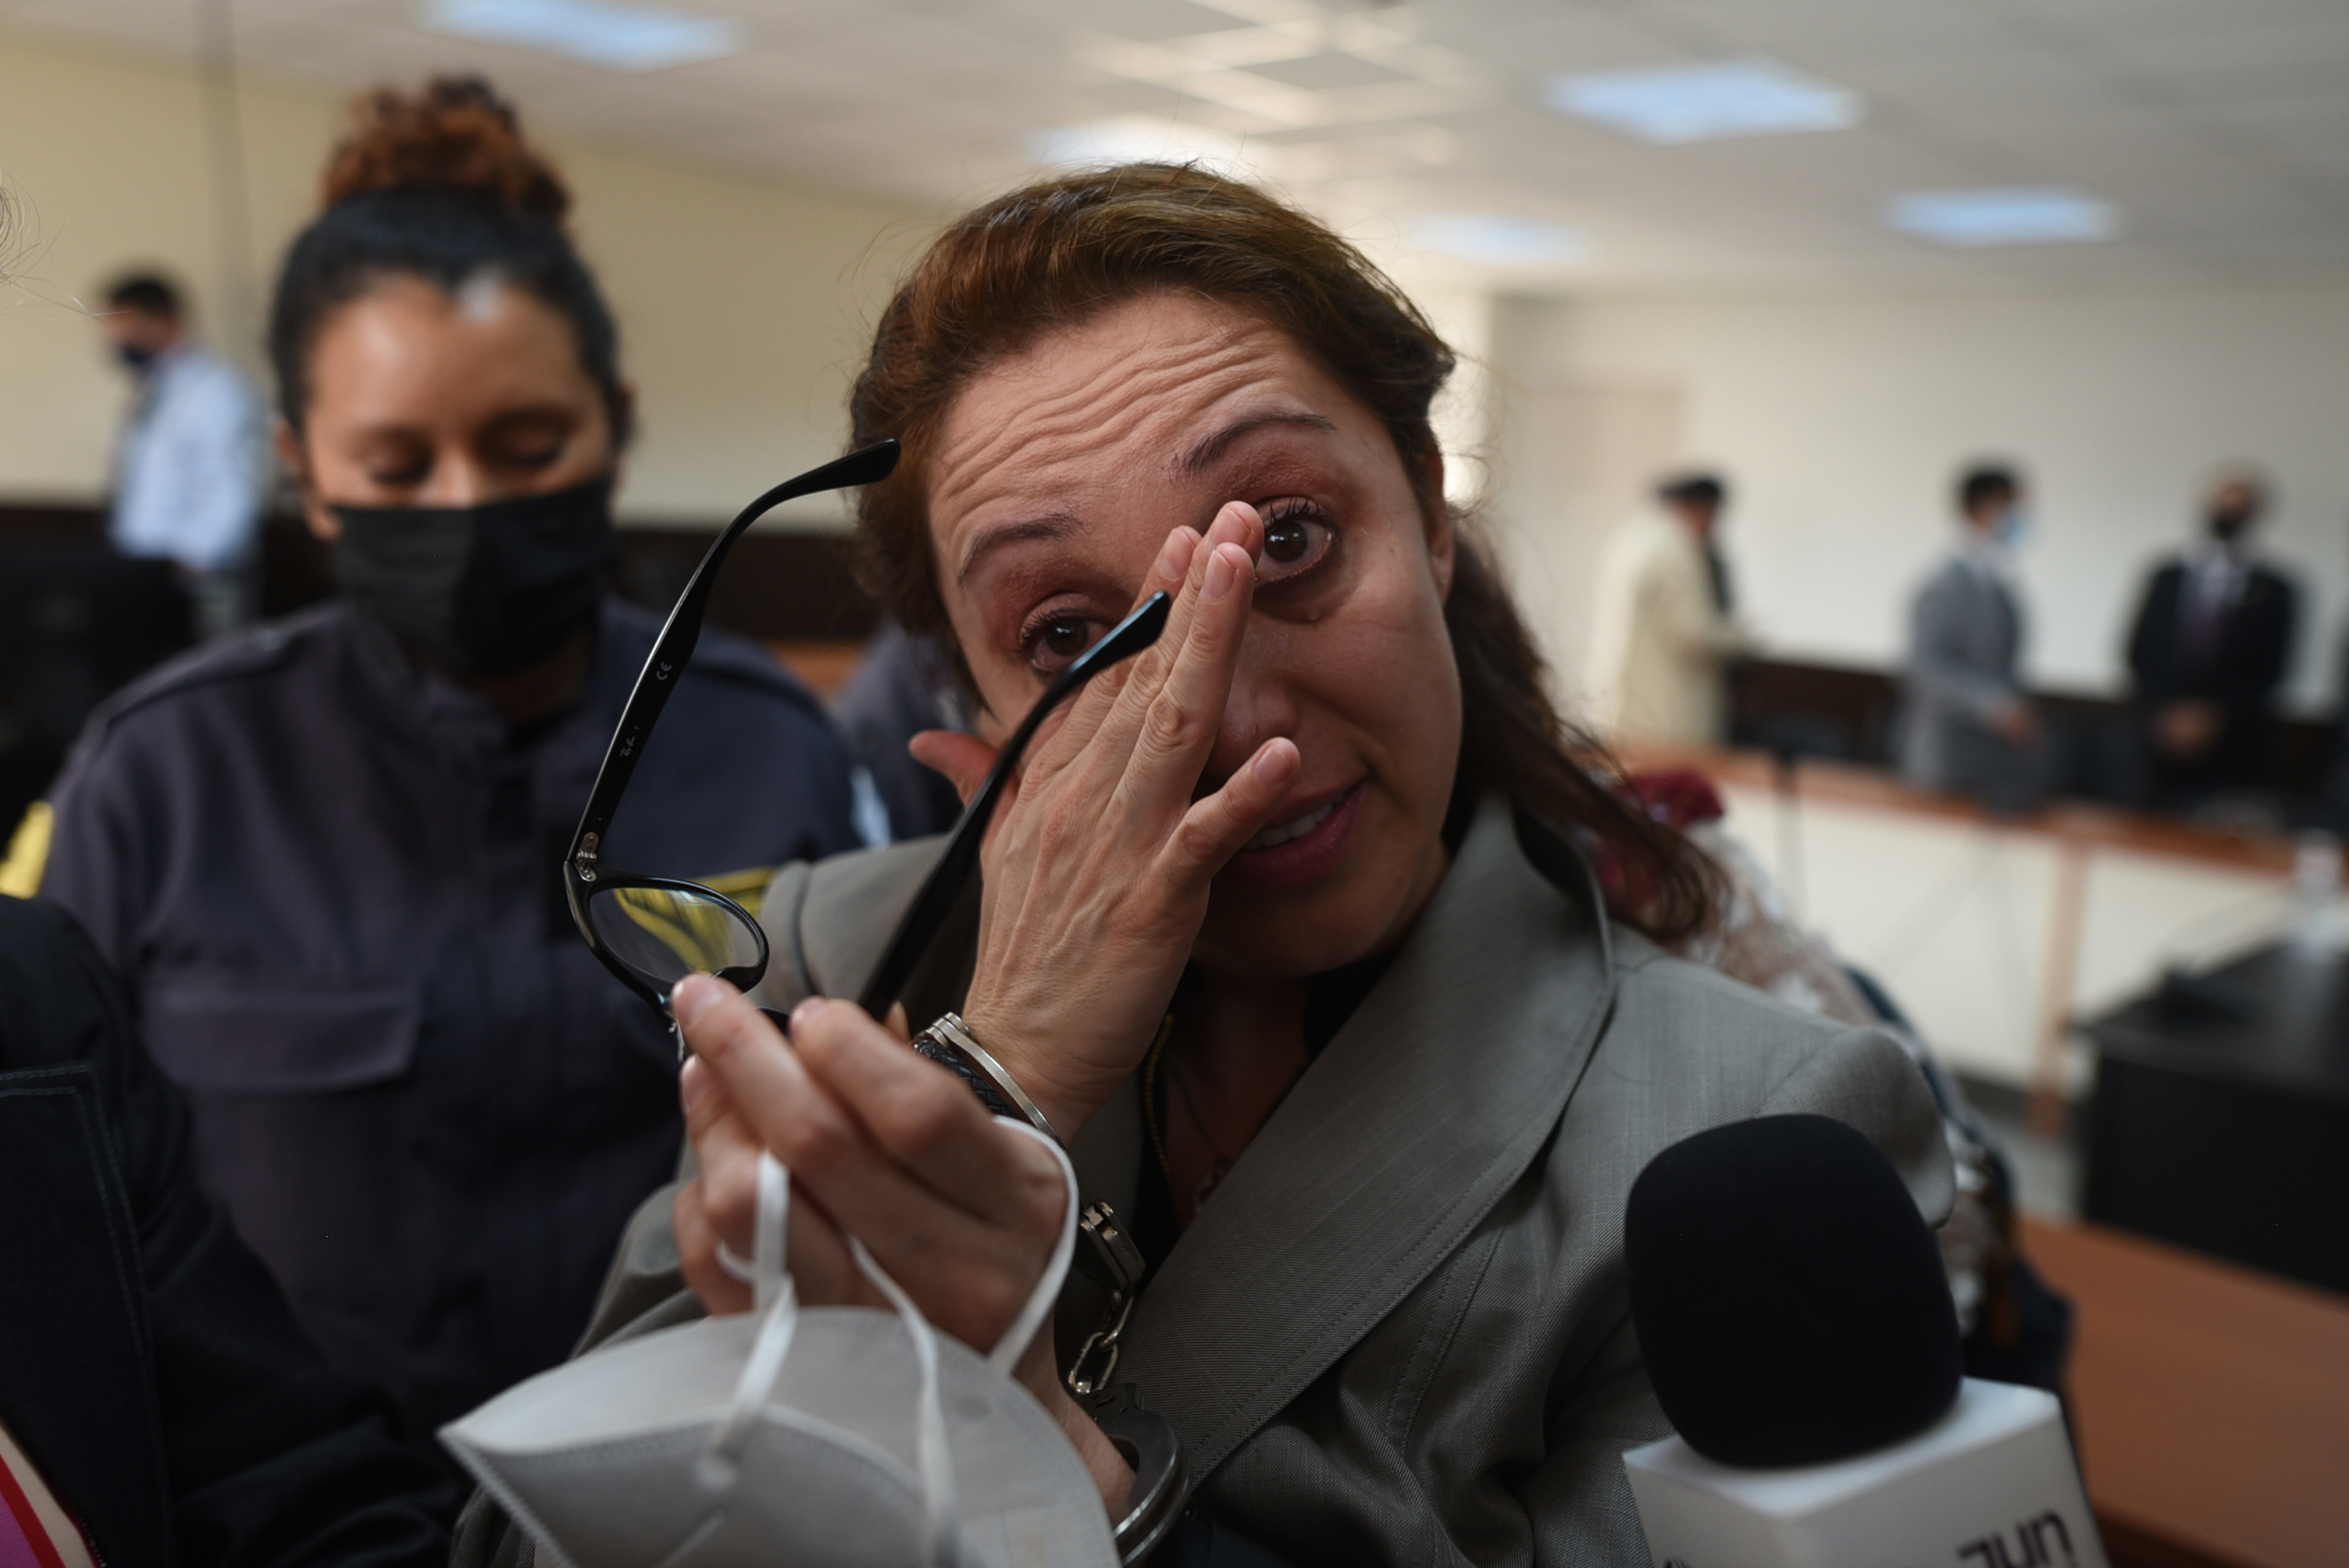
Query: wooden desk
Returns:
{"type": "Point", "coordinates": [2077, 833]}
{"type": "Point", "coordinates": [2223, 1125]}
{"type": "Point", "coordinates": [2211, 1403]}
{"type": "Point", "coordinates": [2089, 825]}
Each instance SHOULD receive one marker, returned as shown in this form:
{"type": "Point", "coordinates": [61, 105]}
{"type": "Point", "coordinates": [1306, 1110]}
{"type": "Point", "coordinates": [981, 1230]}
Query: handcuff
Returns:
{"type": "Point", "coordinates": [1108, 1257]}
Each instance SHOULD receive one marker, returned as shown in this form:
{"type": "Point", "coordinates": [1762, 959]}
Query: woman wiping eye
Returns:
{"type": "Point", "coordinates": [1326, 945]}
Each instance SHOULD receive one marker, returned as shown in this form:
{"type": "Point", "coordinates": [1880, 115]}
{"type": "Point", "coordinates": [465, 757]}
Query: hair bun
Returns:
{"type": "Point", "coordinates": [456, 134]}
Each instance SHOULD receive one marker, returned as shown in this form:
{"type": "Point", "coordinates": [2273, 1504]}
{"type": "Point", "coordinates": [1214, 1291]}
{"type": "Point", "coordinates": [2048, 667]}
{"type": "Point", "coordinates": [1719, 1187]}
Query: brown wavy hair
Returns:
{"type": "Point", "coordinates": [1054, 254]}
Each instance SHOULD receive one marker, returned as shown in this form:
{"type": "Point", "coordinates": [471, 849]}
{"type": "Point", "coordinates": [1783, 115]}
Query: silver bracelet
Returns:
{"type": "Point", "coordinates": [949, 1043]}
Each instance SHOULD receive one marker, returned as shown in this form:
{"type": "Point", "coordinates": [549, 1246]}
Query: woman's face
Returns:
{"type": "Point", "coordinates": [421, 398]}
{"type": "Point", "coordinates": [1058, 475]}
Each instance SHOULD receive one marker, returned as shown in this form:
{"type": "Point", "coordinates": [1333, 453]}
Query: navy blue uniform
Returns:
{"type": "Point", "coordinates": [330, 878]}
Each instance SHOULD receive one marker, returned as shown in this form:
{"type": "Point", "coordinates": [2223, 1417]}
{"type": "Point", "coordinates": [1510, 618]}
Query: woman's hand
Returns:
{"type": "Point", "coordinates": [1101, 859]}
{"type": "Point", "coordinates": [962, 1213]}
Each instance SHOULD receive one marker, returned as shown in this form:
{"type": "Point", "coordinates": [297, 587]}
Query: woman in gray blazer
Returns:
{"type": "Point", "coordinates": [1306, 927]}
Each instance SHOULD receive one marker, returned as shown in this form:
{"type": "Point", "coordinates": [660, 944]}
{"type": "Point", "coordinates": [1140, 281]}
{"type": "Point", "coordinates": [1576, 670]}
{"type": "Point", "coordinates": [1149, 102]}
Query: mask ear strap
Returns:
{"type": "Point", "coordinates": [1007, 1351]}
{"type": "Point", "coordinates": [771, 1272]}
{"type": "Point", "coordinates": [929, 1417]}
{"type": "Point", "coordinates": [774, 1295]}
{"type": "Point", "coordinates": [930, 1452]}
{"type": "Point", "coordinates": [773, 1292]}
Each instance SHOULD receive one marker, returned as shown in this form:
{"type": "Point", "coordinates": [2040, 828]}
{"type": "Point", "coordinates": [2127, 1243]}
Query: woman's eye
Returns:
{"type": "Point", "coordinates": [1055, 643]}
{"type": "Point", "coordinates": [1296, 539]}
{"type": "Point", "coordinates": [532, 457]}
{"type": "Point", "coordinates": [398, 476]}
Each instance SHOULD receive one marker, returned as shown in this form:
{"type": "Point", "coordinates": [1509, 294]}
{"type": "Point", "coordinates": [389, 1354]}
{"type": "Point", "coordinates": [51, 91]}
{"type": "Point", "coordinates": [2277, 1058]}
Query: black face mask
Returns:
{"type": "Point", "coordinates": [481, 590]}
{"type": "Point", "coordinates": [2229, 522]}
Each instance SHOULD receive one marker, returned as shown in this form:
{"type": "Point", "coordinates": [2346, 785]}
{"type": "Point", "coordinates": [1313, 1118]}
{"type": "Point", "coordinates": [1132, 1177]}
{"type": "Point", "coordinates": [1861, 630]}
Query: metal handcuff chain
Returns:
{"type": "Point", "coordinates": [1109, 1258]}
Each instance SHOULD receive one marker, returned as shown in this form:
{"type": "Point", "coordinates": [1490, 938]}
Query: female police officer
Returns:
{"type": "Point", "coordinates": [324, 852]}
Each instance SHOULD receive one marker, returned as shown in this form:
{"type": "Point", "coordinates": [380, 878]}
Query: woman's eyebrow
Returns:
{"type": "Point", "coordinates": [1050, 525]}
{"type": "Point", "coordinates": [1195, 460]}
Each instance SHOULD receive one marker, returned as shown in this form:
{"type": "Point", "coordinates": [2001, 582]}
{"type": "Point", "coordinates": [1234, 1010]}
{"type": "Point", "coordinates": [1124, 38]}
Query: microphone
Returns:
{"type": "Point", "coordinates": [1799, 1333]}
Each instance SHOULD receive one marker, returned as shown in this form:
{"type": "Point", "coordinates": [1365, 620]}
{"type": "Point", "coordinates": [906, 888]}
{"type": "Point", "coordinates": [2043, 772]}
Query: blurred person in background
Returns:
{"type": "Point", "coordinates": [1665, 636]}
{"type": "Point", "coordinates": [903, 685]}
{"type": "Point", "coordinates": [1966, 725]}
{"type": "Point", "coordinates": [190, 467]}
{"type": "Point", "coordinates": [2211, 643]}
{"type": "Point", "coordinates": [325, 851]}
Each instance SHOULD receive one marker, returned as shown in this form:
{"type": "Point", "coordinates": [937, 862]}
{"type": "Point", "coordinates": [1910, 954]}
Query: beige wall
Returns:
{"type": "Point", "coordinates": [742, 302]}
{"type": "Point", "coordinates": [1840, 421]}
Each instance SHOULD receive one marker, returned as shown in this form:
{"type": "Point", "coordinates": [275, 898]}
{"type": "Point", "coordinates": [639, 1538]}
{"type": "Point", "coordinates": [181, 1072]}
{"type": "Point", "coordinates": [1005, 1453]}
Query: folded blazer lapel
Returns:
{"type": "Point", "coordinates": [1415, 1120]}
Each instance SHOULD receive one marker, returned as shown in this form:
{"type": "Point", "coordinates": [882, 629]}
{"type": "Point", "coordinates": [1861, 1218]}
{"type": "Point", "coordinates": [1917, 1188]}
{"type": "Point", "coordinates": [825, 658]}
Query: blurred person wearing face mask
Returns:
{"type": "Point", "coordinates": [2211, 642]}
{"type": "Point", "coordinates": [324, 852]}
{"type": "Point", "coordinates": [1966, 725]}
{"type": "Point", "coordinates": [190, 467]}
{"type": "Point", "coordinates": [1664, 637]}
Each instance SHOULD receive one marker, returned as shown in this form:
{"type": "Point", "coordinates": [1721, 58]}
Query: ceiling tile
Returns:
{"type": "Point", "coordinates": [2221, 126]}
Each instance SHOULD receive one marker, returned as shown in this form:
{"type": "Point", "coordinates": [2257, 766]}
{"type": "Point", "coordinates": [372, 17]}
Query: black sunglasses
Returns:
{"type": "Point", "coordinates": [653, 931]}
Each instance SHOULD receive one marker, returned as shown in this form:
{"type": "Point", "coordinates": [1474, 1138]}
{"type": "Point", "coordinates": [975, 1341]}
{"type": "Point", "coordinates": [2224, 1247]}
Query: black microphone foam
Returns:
{"type": "Point", "coordinates": [1789, 1298]}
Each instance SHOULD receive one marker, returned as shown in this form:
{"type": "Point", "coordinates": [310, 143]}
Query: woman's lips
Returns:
{"type": "Point", "coordinates": [1305, 845]}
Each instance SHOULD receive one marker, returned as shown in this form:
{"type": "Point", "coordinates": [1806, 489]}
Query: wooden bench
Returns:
{"type": "Point", "coordinates": [2211, 1403]}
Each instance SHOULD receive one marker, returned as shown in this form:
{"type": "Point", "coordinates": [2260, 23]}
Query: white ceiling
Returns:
{"type": "Point", "coordinates": [2220, 128]}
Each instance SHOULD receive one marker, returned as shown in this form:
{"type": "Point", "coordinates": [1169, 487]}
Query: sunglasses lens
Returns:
{"type": "Point", "coordinates": [665, 933]}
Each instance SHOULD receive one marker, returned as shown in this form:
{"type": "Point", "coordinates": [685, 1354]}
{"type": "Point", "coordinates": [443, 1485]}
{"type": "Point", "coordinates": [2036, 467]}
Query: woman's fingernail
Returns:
{"type": "Point", "coordinates": [808, 1008]}
{"type": "Point", "coordinates": [1174, 555]}
{"type": "Point", "coordinates": [691, 997]}
{"type": "Point", "coordinates": [1221, 574]}
{"type": "Point", "coordinates": [692, 1085]}
{"type": "Point", "coordinates": [1270, 763]}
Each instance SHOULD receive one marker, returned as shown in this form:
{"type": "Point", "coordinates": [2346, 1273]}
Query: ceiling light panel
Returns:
{"type": "Point", "coordinates": [2010, 215]}
{"type": "Point", "coordinates": [1682, 104]}
{"type": "Point", "coordinates": [616, 38]}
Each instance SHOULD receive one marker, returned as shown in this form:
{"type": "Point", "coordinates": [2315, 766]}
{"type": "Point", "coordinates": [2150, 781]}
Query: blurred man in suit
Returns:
{"type": "Point", "coordinates": [2211, 643]}
{"type": "Point", "coordinates": [1663, 638]}
{"type": "Point", "coordinates": [1967, 726]}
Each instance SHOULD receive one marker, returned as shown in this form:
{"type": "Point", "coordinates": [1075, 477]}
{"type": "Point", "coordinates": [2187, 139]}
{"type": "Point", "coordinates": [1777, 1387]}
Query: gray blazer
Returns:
{"type": "Point", "coordinates": [1965, 634]}
{"type": "Point", "coordinates": [1399, 1334]}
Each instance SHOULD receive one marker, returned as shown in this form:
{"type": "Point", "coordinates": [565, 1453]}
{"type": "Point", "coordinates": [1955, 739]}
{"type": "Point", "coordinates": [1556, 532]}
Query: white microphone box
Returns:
{"type": "Point", "coordinates": [1992, 1484]}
